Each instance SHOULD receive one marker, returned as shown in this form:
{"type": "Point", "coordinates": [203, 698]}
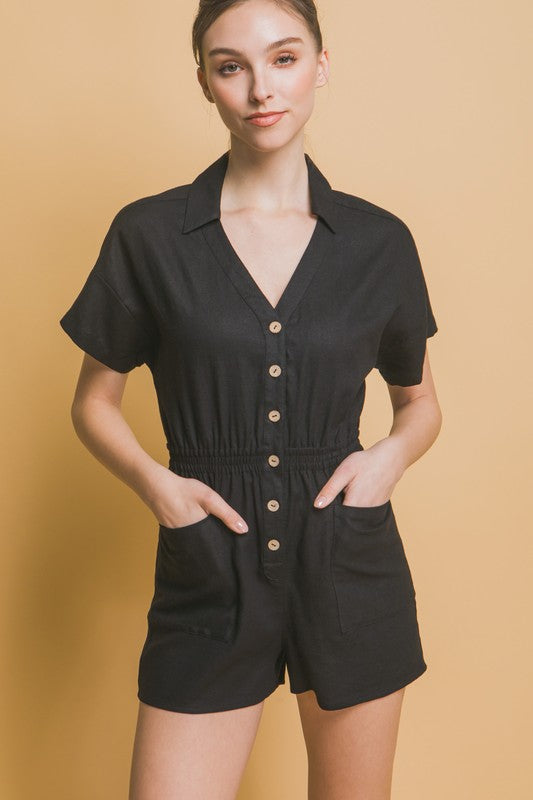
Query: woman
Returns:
{"type": "Point", "coordinates": [260, 298]}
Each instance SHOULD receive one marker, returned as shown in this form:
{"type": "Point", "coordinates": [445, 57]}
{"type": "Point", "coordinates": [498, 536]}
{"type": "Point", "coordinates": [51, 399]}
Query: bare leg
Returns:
{"type": "Point", "coordinates": [351, 751]}
{"type": "Point", "coordinates": [193, 756]}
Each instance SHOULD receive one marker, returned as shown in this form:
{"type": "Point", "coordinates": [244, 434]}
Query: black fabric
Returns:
{"type": "Point", "coordinates": [326, 591]}
{"type": "Point", "coordinates": [110, 318]}
{"type": "Point", "coordinates": [403, 341]}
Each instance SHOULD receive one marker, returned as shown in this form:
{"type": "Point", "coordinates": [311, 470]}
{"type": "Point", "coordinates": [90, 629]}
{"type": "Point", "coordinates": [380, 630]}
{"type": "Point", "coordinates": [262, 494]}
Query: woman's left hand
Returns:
{"type": "Point", "coordinates": [367, 476]}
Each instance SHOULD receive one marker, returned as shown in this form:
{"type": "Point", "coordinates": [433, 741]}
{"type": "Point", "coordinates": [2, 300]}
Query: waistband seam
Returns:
{"type": "Point", "coordinates": [290, 457]}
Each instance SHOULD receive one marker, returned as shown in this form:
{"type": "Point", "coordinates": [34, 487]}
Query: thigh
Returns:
{"type": "Point", "coordinates": [197, 756]}
{"type": "Point", "coordinates": [351, 750]}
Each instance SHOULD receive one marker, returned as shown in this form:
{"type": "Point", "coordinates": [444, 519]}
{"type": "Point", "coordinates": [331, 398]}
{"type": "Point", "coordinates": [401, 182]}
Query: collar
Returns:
{"type": "Point", "coordinates": [203, 197]}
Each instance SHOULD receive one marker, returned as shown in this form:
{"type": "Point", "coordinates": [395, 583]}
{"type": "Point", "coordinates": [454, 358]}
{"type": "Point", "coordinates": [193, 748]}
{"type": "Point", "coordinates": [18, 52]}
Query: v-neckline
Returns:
{"type": "Point", "coordinates": [244, 282]}
{"type": "Point", "coordinates": [251, 278]}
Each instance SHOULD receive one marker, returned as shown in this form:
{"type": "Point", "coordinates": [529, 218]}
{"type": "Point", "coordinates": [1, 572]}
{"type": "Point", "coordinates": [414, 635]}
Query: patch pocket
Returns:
{"type": "Point", "coordinates": [196, 586]}
{"type": "Point", "coordinates": [369, 568]}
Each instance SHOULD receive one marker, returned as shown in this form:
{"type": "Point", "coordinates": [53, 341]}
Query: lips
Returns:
{"type": "Point", "coordinates": [266, 114]}
{"type": "Point", "coordinates": [264, 120]}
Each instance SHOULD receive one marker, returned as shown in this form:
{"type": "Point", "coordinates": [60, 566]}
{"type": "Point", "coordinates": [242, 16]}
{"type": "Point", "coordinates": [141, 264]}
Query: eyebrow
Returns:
{"type": "Point", "coordinates": [229, 51]}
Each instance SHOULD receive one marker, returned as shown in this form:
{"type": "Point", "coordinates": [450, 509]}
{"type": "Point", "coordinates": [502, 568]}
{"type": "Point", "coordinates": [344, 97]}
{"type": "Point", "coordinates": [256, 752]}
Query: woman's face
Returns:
{"type": "Point", "coordinates": [258, 70]}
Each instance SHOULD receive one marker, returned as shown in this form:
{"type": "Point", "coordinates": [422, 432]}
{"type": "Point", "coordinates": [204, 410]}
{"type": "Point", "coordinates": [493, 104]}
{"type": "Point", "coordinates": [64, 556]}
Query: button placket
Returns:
{"type": "Point", "coordinates": [273, 322]}
{"type": "Point", "coordinates": [273, 495]}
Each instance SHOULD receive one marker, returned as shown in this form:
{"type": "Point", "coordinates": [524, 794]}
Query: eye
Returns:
{"type": "Point", "coordinates": [223, 68]}
{"type": "Point", "coordinates": [289, 56]}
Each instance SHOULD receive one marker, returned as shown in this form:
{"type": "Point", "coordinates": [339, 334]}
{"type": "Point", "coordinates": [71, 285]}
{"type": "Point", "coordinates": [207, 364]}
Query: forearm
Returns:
{"type": "Point", "coordinates": [415, 427]}
{"type": "Point", "coordinates": [102, 428]}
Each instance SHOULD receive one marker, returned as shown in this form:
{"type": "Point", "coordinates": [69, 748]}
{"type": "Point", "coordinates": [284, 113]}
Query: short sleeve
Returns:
{"type": "Point", "coordinates": [110, 318]}
{"type": "Point", "coordinates": [403, 341]}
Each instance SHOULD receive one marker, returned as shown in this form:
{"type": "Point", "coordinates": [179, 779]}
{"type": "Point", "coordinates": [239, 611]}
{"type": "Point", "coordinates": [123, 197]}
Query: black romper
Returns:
{"type": "Point", "coordinates": [262, 404]}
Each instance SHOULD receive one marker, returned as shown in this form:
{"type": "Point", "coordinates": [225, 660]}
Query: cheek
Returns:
{"type": "Point", "coordinates": [302, 85]}
{"type": "Point", "coordinates": [226, 96]}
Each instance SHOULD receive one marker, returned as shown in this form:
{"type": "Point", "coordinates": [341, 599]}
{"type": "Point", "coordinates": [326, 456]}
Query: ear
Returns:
{"type": "Point", "coordinates": [322, 68]}
{"type": "Point", "coordinates": [203, 83]}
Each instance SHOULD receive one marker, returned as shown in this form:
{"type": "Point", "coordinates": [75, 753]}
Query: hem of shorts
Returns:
{"type": "Point", "coordinates": [226, 706]}
{"type": "Point", "coordinates": [371, 693]}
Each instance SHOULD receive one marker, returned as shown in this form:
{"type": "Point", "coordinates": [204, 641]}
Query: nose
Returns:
{"type": "Point", "coordinates": [260, 89]}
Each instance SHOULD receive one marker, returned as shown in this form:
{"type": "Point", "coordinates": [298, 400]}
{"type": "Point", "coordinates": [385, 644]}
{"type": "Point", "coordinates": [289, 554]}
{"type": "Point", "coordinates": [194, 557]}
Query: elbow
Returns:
{"type": "Point", "coordinates": [437, 418]}
{"type": "Point", "coordinates": [76, 415]}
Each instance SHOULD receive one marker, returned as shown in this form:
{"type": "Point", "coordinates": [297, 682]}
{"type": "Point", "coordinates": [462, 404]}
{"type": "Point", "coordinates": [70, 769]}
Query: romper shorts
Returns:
{"type": "Point", "coordinates": [262, 403]}
{"type": "Point", "coordinates": [224, 624]}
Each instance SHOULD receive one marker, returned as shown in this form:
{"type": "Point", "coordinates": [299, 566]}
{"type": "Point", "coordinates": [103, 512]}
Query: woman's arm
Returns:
{"type": "Point", "coordinates": [417, 419]}
{"type": "Point", "coordinates": [98, 421]}
{"type": "Point", "coordinates": [369, 476]}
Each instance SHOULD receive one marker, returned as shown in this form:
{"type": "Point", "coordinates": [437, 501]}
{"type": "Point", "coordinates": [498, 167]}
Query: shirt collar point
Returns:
{"type": "Point", "coordinates": [203, 196]}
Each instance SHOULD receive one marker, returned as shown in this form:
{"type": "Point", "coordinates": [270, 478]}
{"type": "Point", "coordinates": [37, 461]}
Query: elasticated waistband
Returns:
{"type": "Point", "coordinates": [290, 459]}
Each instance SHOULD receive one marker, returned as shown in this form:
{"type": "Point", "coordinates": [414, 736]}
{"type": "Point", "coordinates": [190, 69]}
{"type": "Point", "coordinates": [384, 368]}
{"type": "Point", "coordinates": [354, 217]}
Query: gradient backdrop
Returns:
{"type": "Point", "coordinates": [427, 113]}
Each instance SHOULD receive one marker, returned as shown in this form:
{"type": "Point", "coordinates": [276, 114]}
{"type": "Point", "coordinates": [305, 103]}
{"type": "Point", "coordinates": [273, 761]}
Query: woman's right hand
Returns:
{"type": "Point", "coordinates": [177, 501]}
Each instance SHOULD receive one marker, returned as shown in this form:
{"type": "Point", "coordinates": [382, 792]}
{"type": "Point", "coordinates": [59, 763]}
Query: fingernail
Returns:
{"type": "Point", "coordinates": [242, 526]}
{"type": "Point", "coordinates": [320, 500]}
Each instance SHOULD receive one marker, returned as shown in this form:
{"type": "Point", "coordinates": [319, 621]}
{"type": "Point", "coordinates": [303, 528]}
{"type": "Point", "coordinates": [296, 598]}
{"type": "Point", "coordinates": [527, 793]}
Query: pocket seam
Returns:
{"type": "Point", "coordinates": [166, 611]}
{"type": "Point", "coordinates": [409, 600]}
{"type": "Point", "coordinates": [184, 527]}
{"type": "Point", "coordinates": [342, 505]}
{"type": "Point", "coordinates": [379, 513]}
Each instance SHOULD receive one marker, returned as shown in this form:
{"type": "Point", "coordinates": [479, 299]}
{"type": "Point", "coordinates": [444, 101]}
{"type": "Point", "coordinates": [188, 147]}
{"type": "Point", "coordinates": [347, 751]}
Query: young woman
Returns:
{"type": "Point", "coordinates": [260, 298]}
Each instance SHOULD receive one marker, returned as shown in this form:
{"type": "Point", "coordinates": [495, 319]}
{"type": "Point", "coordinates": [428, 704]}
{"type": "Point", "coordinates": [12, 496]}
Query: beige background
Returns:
{"type": "Point", "coordinates": [426, 115]}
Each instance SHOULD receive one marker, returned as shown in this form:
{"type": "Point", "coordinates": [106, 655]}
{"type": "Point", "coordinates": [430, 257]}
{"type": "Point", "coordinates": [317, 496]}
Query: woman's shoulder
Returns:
{"type": "Point", "coordinates": [153, 205]}
{"type": "Point", "coordinates": [370, 215]}
{"type": "Point", "coordinates": [150, 217]}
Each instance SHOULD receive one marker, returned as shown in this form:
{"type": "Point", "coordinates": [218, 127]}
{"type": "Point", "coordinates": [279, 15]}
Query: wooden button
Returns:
{"type": "Point", "coordinates": [272, 505]}
{"type": "Point", "coordinates": [273, 460]}
{"type": "Point", "coordinates": [275, 326]}
{"type": "Point", "coordinates": [274, 415]}
{"type": "Point", "coordinates": [273, 544]}
{"type": "Point", "coordinates": [275, 370]}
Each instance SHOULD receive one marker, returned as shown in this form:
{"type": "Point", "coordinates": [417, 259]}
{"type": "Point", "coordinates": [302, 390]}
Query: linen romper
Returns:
{"type": "Point", "coordinates": [262, 403]}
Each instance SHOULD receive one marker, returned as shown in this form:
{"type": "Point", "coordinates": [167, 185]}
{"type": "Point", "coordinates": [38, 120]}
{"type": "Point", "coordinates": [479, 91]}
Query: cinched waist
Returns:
{"type": "Point", "coordinates": [290, 458]}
